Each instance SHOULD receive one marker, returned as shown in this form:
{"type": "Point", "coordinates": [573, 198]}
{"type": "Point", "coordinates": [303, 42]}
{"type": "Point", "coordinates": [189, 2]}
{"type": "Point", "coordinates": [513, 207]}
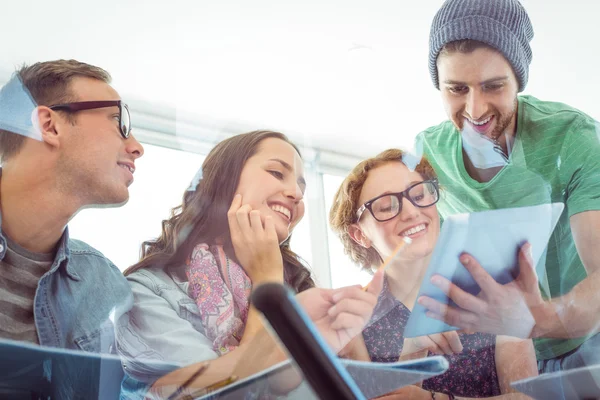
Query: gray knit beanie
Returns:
{"type": "Point", "coordinates": [501, 24]}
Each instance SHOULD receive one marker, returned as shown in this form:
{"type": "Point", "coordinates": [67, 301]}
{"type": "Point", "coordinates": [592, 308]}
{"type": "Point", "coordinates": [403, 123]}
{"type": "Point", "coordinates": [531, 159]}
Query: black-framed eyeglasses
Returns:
{"type": "Point", "coordinates": [388, 205]}
{"type": "Point", "coordinates": [124, 116]}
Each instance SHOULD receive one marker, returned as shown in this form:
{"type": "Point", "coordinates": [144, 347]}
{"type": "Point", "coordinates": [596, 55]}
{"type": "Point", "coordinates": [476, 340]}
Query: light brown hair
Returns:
{"type": "Point", "coordinates": [345, 204]}
{"type": "Point", "coordinates": [48, 84]}
{"type": "Point", "coordinates": [202, 217]}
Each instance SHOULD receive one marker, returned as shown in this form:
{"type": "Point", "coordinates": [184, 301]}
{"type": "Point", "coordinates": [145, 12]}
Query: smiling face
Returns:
{"type": "Point", "coordinates": [422, 225]}
{"type": "Point", "coordinates": [95, 161]}
{"type": "Point", "coordinates": [479, 88]}
{"type": "Point", "coordinates": [272, 181]}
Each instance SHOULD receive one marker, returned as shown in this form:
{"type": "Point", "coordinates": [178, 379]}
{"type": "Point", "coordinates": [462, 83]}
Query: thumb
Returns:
{"type": "Point", "coordinates": [376, 283]}
{"type": "Point", "coordinates": [527, 275]}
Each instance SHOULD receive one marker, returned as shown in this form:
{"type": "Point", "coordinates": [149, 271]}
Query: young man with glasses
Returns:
{"type": "Point", "coordinates": [500, 150]}
{"type": "Point", "coordinates": [79, 152]}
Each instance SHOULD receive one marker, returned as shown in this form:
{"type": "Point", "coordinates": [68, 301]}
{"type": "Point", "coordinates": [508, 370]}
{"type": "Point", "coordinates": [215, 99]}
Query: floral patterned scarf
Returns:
{"type": "Point", "coordinates": [221, 290]}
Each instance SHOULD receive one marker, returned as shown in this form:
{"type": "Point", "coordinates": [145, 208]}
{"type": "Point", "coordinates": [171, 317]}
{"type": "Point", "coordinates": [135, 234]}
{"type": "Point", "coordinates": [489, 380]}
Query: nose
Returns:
{"type": "Point", "coordinates": [294, 193]}
{"type": "Point", "coordinates": [409, 210]}
{"type": "Point", "coordinates": [133, 147]}
{"type": "Point", "coordinates": [475, 106]}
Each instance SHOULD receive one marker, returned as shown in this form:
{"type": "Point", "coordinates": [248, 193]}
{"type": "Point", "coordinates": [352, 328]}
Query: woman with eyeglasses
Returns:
{"type": "Point", "coordinates": [380, 203]}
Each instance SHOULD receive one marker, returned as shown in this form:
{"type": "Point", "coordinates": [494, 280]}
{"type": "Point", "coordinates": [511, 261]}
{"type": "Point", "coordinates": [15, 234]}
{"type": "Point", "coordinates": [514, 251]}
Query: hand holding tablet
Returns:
{"type": "Point", "coordinates": [493, 239]}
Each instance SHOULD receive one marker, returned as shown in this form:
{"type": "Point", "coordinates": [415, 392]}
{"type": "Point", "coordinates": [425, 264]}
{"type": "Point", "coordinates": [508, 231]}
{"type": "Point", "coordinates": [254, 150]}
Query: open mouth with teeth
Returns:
{"type": "Point", "coordinates": [284, 212]}
{"type": "Point", "coordinates": [481, 126]}
{"type": "Point", "coordinates": [414, 231]}
{"type": "Point", "coordinates": [127, 167]}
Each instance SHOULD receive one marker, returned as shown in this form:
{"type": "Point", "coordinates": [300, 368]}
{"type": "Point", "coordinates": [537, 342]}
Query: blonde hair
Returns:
{"type": "Point", "coordinates": [345, 204]}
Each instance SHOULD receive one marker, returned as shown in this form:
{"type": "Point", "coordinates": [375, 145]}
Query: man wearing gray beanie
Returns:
{"type": "Point", "coordinates": [500, 149]}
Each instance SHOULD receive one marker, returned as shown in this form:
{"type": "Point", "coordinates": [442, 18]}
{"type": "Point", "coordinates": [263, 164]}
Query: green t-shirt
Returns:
{"type": "Point", "coordinates": [555, 158]}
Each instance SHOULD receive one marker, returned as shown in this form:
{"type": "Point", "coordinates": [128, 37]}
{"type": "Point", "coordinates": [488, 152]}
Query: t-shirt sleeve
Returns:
{"type": "Point", "coordinates": [579, 166]}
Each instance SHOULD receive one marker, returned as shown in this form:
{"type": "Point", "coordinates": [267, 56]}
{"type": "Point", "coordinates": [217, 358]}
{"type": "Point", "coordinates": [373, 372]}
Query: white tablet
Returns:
{"type": "Point", "coordinates": [572, 384]}
{"type": "Point", "coordinates": [493, 238]}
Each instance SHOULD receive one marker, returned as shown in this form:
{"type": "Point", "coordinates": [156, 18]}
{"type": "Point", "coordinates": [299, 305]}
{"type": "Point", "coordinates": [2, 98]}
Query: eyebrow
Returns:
{"type": "Point", "coordinates": [287, 166]}
{"type": "Point", "coordinates": [486, 82]}
{"type": "Point", "coordinates": [409, 185]}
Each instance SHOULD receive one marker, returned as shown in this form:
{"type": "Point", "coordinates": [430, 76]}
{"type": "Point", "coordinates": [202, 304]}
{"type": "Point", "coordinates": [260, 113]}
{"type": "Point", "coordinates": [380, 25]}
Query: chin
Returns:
{"type": "Point", "coordinates": [116, 199]}
{"type": "Point", "coordinates": [282, 237]}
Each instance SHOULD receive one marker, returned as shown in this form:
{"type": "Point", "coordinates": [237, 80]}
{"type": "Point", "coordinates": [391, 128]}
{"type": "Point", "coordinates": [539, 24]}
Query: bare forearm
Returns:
{"type": "Point", "coordinates": [254, 325]}
{"type": "Point", "coordinates": [249, 358]}
{"type": "Point", "coordinates": [256, 346]}
{"type": "Point", "coordinates": [573, 315]}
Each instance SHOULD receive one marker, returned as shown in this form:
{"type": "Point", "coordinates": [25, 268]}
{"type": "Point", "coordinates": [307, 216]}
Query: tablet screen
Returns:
{"type": "Point", "coordinates": [493, 238]}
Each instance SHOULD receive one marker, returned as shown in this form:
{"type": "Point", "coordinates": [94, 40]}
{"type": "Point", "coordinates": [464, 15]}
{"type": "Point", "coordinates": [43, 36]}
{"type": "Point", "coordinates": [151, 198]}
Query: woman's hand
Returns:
{"type": "Point", "coordinates": [255, 244]}
{"type": "Point", "coordinates": [440, 343]}
{"type": "Point", "coordinates": [341, 314]}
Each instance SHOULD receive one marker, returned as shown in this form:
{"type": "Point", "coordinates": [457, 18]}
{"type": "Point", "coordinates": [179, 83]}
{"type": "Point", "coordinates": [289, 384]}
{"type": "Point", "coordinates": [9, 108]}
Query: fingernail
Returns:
{"type": "Point", "coordinates": [331, 310]}
{"type": "Point", "coordinates": [436, 280]}
{"type": "Point", "coordinates": [336, 297]}
{"type": "Point", "coordinates": [464, 260]}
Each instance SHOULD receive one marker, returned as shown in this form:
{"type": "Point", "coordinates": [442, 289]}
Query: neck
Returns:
{"type": "Point", "coordinates": [506, 141]}
{"type": "Point", "coordinates": [404, 279]}
{"type": "Point", "coordinates": [34, 212]}
{"type": "Point", "coordinates": [508, 136]}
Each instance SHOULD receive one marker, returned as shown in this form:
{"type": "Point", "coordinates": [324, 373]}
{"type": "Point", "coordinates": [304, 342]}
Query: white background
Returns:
{"type": "Point", "coordinates": [340, 76]}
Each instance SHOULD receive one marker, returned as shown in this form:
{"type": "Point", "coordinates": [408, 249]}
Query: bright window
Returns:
{"type": "Point", "coordinates": [161, 177]}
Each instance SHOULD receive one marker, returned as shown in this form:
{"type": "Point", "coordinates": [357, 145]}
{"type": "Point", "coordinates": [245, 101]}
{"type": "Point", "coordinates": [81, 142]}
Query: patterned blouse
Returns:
{"type": "Point", "coordinates": [472, 373]}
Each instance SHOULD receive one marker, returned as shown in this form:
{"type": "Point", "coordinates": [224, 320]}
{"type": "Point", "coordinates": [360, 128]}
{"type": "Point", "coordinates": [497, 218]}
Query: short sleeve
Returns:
{"type": "Point", "coordinates": [579, 166]}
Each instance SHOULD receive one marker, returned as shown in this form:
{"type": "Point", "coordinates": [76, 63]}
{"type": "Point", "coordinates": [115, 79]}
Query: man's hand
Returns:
{"type": "Point", "coordinates": [498, 309]}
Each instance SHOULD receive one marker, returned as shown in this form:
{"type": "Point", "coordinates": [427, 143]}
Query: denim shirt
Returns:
{"type": "Point", "coordinates": [79, 298]}
{"type": "Point", "coordinates": [164, 326]}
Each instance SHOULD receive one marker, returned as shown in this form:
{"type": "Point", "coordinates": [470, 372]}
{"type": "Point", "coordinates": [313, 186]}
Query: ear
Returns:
{"type": "Point", "coordinates": [47, 125]}
{"type": "Point", "coordinates": [357, 234]}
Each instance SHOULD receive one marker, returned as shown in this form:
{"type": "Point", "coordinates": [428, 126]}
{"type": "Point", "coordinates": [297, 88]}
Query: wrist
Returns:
{"type": "Point", "coordinates": [545, 316]}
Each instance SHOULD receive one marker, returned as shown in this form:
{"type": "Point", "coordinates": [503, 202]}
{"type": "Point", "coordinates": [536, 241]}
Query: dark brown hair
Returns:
{"type": "Point", "coordinates": [464, 46]}
{"type": "Point", "coordinates": [345, 203]}
{"type": "Point", "coordinates": [202, 217]}
{"type": "Point", "coordinates": [48, 83]}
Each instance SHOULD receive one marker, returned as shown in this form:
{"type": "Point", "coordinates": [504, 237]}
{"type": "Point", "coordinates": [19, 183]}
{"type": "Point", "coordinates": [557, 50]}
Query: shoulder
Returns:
{"type": "Point", "coordinates": [539, 111]}
{"type": "Point", "coordinates": [435, 131]}
{"type": "Point", "coordinates": [436, 140]}
{"type": "Point", "coordinates": [157, 279]}
{"type": "Point", "coordinates": [83, 252]}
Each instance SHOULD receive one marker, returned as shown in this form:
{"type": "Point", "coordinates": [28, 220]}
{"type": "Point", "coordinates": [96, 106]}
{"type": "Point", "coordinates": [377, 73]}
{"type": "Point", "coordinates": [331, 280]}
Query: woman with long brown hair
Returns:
{"type": "Point", "coordinates": [192, 285]}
